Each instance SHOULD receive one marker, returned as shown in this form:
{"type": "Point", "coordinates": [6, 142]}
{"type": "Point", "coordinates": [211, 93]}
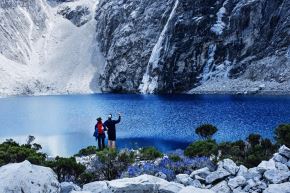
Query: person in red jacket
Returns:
{"type": "Point", "coordinates": [100, 133]}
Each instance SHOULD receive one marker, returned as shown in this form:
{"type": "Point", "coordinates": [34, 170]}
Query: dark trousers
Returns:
{"type": "Point", "coordinates": [101, 142]}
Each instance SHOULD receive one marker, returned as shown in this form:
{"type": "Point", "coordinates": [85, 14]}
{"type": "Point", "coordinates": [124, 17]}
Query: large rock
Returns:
{"type": "Point", "coordinates": [229, 165]}
{"type": "Point", "coordinates": [97, 187]}
{"type": "Point", "coordinates": [236, 182]}
{"type": "Point", "coordinates": [191, 189]}
{"type": "Point", "coordinates": [143, 183]}
{"type": "Point", "coordinates": [279, 158]}
{"type": "Point", "coordinates": [285, 151]}
{"type": "Point", "coordinates": [278, 188]}
{"type": "Point", "coordinates": [221, 187]}
{"type": "Point", "coordinates": [266, 165]}
{"type": "Point", "coordinates": [27, 178]}
{"type": "Point", "coordinates": [217, 175]}
{"type": "Point", "coordinates": [242, 170]}
{"type": "Point", "coordinates": [276, 176]}
{"type": "Point", "coordinates": [184, 179]}
{"type": "Point", "coordinates": [203, 172]}
{"type": "Point", "coordinates": [67, 187]}
{"type": "Point", "coordinates": [252, 173]}
{"type": "Point", "coordinates": [281, 166]}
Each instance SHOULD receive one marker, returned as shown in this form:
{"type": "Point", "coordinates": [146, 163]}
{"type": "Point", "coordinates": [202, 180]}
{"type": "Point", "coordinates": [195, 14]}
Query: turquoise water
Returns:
{"type": "Point", "coordinates": [65, 124]}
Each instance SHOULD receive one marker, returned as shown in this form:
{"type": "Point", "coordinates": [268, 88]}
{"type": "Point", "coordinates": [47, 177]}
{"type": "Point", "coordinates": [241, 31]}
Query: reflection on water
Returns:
{"type": "Point", "coordinates": [64, 124]}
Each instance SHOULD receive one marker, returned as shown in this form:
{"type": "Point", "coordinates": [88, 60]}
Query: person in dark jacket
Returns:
{"type": "Point", "coordinates": [110, 125]}
{"type": "Point", "coordinates": [100, 133]}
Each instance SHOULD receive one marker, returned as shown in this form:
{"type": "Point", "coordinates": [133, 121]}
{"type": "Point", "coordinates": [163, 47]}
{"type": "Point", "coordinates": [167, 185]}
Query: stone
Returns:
{"type": "Point", "coordinates": [184, 179]}
{"type": "Point", "coordinates": [276, 176]}
{"type": "Point", "coordinates": [161, 175]}
{"type": "Point", "coordinates": [196, 183]}
{"type": "Point", "coordinates": [97, 187]}
{"type": "Point", "coordinates": [217, 175]}
{"type": "Point", "coordinates": [242, 170]}
{"type": "Point", "coordinates": [281, 166]}
{"type": "Point", "coordinates": [279, 158]}
{"type": "Point", "coordinates": [266, 165]}
{"type": "Point", "coordinates": [252, 173]}
{"type": "Point", "coordinates": [230, 166]}
{"type": "Point", "coordinates": [26, 177]}
{"type": "Point", "coordinates": [191, 189]}
{"type": "Point", "coordinates": [143, 183]}
{"type": "Point", "coordinates": [236, 182]}
{"type": "Point", "coordinates": [284, 151]}
{"type": "Point", "coordinates": [203, 172]}
{"type": "Point", "coordinates": [288, 164]}
{"type": "Point", "coordinates": [221, 187]}
{"type": "Point", "coordinates": [171, 187]}
{"type": "Point", "coordinates": [278, 188]}
{"type": "Point", "coordinates": [67, 187]}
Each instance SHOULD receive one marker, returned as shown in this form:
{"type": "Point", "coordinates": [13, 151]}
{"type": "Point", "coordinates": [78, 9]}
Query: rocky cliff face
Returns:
{"type": "Point", "coordinates": [176, 45]}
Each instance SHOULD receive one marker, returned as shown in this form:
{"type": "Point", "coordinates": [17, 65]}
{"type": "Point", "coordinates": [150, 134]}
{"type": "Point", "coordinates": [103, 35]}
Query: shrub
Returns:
{"type": "Point", "coordinates": [112, 163]}
{"type": "Point", "coordinates": [282, 134]}
{"type": "Point", "coordinates": [150, 153]}
{"type": "Point", "coordinates": [174, 158]}
{"type": "Point", "coordinates": [206, 131]}
{"type": "Point", "coordinates": [90, 150]}
{"type": "Point", "coordinates": [254, 139]}
{"type": "Point", "coordinates": [12, 152]}
{"type": "Point", "coordinates": [201, 148]}
{"type": "Point", "coordinates": [67, 169]}
{"type": "Point", "coordinates": [86, 178]}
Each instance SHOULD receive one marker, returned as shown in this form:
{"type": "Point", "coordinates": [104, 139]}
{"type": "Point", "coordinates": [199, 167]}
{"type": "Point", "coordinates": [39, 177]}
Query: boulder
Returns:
{"type": "Point", "coordinates": [229, 165]}
{"type": "Point", "coordinates": [143, 183]}
{"type": "Point", "coordinates": [67, 187]}
{"type": "Point", "coordinates": [161, 175]}
{"type": "Point", "coordinates": [221, 187]}
{"type": "Point", "coordinates": [171, 187]}
{"type": "Point", "coordinates": [288, 164]}
{"type": "Point", "coordinates": [279, 158]}
{"type": "Point", "coordinates": [218, 175]}
{"type": "Point", "coordinates": [266, 165]}
{"type": "Point", "coordinates": [252, 173]}
{"type": "Point", "coordinates": [284, 151]}
{"type": "Point", "coordinates": [276, 176]}
{"type": "Point", "coordinates": [191, 189]}
{"type": "Point", "coordinates": [184, 179]}
{"type": "Point", "coordinates": [278, 188]}
{"type": "Point", "coordinates": [236, 182]}
{"type": "Point", "coordinates": [25, 177]}
{"type": "Point", "coordinates": [97, 187]}
{"type": "Point", "coordinates": [196, 183]}
{"type": "Point", "coordinates": [242, 170]}
{"type": "Point", "coordinates": [203, 172]}
{"type": "Point", "coordinates": [281, 166]}
{"type": "Point", "coordinates": [255, 186]}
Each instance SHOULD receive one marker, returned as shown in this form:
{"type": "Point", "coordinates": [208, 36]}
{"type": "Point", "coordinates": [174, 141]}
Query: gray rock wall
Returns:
{"type": "Point", "coordinates": [174, 46]}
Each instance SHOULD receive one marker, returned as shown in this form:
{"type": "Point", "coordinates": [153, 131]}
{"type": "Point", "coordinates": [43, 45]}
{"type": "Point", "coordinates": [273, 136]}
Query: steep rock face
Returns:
{"type": "Point", "coordinates": [176, 45]}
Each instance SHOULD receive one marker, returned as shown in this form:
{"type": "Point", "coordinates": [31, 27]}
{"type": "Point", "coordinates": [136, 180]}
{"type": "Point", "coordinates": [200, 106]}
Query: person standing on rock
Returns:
{"type": "Point", "coordinates": [100, 133]}
{"type": "Point", "coordinates": [110, 125]}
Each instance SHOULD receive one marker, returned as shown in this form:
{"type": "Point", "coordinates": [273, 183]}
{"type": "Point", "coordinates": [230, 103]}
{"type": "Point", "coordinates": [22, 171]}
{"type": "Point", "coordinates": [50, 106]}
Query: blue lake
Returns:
{"type": "Point", "coordinates": [65, 124]}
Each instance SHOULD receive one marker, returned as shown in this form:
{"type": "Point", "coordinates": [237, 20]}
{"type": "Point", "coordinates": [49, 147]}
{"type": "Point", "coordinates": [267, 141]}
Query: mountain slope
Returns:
{"type": "Point", "coordinates": [202, 46]}
{"type": "Point", "coordinates": [48, 48]}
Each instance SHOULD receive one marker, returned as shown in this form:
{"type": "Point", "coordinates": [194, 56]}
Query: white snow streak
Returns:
{"type": "Point", "coordinates": [219, 26]}
{"type": "Point", "coordinates": [149, 84]}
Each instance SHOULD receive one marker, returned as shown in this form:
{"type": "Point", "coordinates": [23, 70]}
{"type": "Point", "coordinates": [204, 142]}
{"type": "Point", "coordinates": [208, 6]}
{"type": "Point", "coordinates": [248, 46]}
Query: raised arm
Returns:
{"type": "Point", "coordinates": [119, 119]}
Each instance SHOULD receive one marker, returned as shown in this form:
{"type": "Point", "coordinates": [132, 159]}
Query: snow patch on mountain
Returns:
{"type": "Point", "coordinates": [150, 83]}
{"type": "Point", "coordinates": [50, 55]}
{"type": "Point", "coordinates": [219, 26]}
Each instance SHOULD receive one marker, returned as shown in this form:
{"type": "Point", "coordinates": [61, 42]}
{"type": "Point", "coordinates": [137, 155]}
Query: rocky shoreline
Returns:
{"type": "Point", "coordinates": [272, 176]}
